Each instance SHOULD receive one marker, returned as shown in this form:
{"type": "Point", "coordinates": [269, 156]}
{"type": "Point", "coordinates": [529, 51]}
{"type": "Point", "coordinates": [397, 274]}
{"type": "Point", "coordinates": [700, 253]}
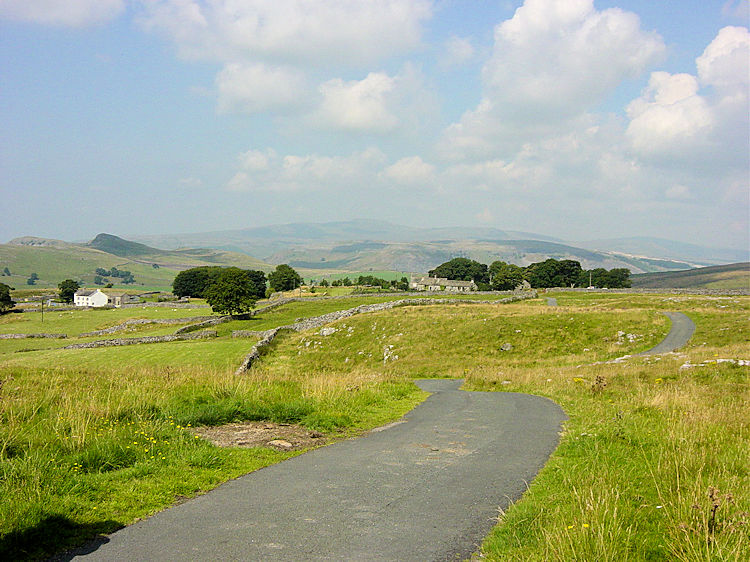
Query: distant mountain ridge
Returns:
{"type": "Point", "coordinates": [347, 246]}
{"type": "Point", "coordinates": [360, 245]}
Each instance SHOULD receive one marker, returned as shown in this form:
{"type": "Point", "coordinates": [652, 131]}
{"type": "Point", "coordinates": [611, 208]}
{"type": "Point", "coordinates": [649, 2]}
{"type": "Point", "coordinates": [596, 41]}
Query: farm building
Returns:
{"type": "Point", "coordinates": [443, 284]}
{"type": "Point", "coordinates": [99, 298]}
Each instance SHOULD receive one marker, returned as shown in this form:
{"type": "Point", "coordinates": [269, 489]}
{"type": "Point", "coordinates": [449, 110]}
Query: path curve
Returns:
{"type": "Point", "coordinates": [679, 334]}
{"type": "Point", "coordinates": [427, 488]}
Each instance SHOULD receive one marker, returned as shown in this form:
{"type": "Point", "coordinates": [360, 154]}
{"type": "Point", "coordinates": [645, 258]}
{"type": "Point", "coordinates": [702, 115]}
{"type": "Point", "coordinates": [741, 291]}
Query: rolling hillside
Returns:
{"type": "Point", "coordinates": [55, 260]}
{"type": "Point", "coordinates": [732, 276]}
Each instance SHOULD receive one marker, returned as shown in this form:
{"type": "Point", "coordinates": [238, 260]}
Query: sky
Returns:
{"type": "Point", "coordinates": [580, 119]}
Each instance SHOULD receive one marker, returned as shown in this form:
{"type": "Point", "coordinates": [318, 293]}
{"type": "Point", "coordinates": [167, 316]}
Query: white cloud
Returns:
{"type": "Point", "coordinates": [676, 118]}
{"type": "Point", "coordinates": [456, 51]}
{"type": "Point", "coordinates": [268, 171]}
{"type": "Point", "coordinates": [670, 116]}
{"type": "Point", "coordinates": [66, 13]}
{"type": "Point", "coordinates": [559, 57]}
{"type": "Point", "coordinates": [552, 62]}
{"type": "Point", "coordinates": [359, 106]}
{"type": "Point", "coordinates": [724, 63]}
{"type": "Point", "coordinates": [253, 88]}
{"type": "Point", "coordinates": [291, 31]}
{"type": "Point", "coordinates": [256, 160]}
{"type": "Point", "coordinates": [411, 170]}
{"type": "Point", "coordinates": [270, 51]}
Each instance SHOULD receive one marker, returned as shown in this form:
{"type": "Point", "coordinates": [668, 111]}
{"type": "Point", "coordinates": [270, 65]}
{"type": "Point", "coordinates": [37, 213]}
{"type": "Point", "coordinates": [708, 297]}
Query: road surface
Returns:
{"type": "Point", "coordinates": [427, 488]}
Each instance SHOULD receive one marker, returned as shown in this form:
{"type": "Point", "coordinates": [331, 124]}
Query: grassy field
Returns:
{"type": "Point", "coordinates": [90, 440]}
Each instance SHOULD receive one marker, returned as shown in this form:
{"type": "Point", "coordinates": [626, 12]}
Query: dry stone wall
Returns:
{"type": "Point", "coordinates": [141, 321]}
{"type": "Point", "coordinates": [148, 339]}
{"type": "Point", "coordinates": [318, 321]}
{"type": "Point", "coordinates": [30, 336]}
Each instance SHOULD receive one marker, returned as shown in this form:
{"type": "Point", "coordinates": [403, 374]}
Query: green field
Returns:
{"type": "Point", "coordinates": [91, 440]}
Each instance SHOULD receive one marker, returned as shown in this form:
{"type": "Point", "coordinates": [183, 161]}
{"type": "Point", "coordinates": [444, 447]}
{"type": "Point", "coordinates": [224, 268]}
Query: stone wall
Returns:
{"type": "Point", "coordinates": [318, 321]}
{"type": "Point", "coordinates": [142, 321]}
{"type": "Point", "coordinates": [148, 339]}
{"type": "Point", "coordinates": [30, 336]}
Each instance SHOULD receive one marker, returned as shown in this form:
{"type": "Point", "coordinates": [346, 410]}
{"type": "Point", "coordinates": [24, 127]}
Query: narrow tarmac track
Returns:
{"type": "Point", "coordinates": [679, 334]}
{"type": "Point", "coordinates": [426, 488]}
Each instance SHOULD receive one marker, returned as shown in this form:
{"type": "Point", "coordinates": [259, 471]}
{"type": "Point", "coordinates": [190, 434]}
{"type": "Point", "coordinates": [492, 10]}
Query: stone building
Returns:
{"type": "Point", "coordinates": [442, 284]}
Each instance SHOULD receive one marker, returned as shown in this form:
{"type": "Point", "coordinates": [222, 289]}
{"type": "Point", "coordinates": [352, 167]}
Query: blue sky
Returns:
{"type": "Point", "coordinates": [574, 118]}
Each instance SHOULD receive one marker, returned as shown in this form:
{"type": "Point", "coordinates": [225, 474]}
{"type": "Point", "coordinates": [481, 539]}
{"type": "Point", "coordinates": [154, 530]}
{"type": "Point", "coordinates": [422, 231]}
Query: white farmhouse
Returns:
{"type": "Point", "coordinates": [99, 298]}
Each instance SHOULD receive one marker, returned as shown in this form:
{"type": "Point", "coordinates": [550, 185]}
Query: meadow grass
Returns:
{"type": "Point", "coordinates": [91, 440]}
{"type": "Point", "coordinates": [76, 322]}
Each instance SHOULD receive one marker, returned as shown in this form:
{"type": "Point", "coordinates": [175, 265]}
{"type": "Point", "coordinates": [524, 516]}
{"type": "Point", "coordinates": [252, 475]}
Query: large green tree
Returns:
{"type": "Point", "coordinates": [462, 269]}
{"type": "Point", "coordinates": [554, 273]}
{"type": "Point", "coordinates": [284, 278]}
{"type": "Point", "coordinates": [6, 303]}
{"type": "Point", "coordinates": [68, 290]}
{"type": "Point", "coordinates": [194, 281]}
{"type": "Point", "coordinates": [258, 283]}
{"type": "Point", "coordinates": [505, 276]}
{"type": "Point", "coordinates": [233, 292]}
{"type": "Point", "coordinates": [617, 278]}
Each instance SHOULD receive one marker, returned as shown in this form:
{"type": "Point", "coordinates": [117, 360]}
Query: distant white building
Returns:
{"type": "Point", "coordinates": [443, 284]}
{"type": "Point", "coordinates": [98, 298]}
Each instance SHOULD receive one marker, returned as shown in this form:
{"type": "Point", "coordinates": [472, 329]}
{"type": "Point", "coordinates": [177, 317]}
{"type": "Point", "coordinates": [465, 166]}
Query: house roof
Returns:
{"type": "Point", "coordinates": [85, 292]}
{"type": "Point", "coordinates": [107, 292]}
{"type": "Point", "coordinates": [443, 282]}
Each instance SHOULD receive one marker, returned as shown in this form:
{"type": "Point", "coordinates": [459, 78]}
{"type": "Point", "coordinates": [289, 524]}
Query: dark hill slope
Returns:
{"type": "Point", "coordinates": [121, 247]}
{"type": "Point", "coordinates": [732, 276]}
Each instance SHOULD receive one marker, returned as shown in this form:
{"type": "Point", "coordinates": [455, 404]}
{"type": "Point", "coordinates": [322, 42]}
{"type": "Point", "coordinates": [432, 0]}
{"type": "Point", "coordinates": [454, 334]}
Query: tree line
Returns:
{"type": "Point", "coordinates": [101, 273]}
{"type": "Point", "coordinates": [231, 290]}
{"type": "Point", "coordinates": [502, 276]}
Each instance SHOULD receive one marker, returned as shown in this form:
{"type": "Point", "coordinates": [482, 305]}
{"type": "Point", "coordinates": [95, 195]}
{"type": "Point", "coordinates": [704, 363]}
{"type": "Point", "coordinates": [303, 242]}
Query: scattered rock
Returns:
{"type": "Point", "coordinates": [283, 437]}
{"type": "Point", "coordinates": [506, 347]}
{"type": "Point", "coordinates": [327, 331]}
{"type": "Point", "coordinates": [281, 444]}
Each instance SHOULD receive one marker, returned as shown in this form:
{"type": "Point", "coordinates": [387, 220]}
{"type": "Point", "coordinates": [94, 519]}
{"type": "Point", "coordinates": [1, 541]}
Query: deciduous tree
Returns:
{"type": "Point", "coordinates": [233, 292]}
{"type": "Point", "coordinates": [284, 278]}
{"type": "Point", "coordinates": [462, 269]}
{"type": "Point", "coordinates": [505, 276]}
{"type": "Point", "coordinates": [6, 303]}
{"type": "Point", "coordinates": [68, 290]}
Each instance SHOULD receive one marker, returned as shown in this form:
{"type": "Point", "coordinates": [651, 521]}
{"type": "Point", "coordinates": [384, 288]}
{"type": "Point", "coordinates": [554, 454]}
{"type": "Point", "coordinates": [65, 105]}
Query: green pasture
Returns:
{"type": "Point", "coordinates": [75, 322]}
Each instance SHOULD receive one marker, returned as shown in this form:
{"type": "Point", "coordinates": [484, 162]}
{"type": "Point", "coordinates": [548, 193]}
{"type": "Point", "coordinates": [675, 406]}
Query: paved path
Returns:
{"type": "Point", "coordinates": [425, 489]}
{"type": "Point", "coordinates": [679, 334]}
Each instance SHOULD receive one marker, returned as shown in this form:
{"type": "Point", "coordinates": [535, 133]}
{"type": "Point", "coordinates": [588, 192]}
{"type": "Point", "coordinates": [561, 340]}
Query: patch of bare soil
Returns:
{"type": "Point", "coordinates": [283, 437]}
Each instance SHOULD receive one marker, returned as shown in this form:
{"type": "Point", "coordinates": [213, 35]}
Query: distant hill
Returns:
{"type": "Point", "coordinates": [422, 256]}
{"type": "Point", "coordinates": [363, 245]}
{"type": "Point", "coordinates": [120, 247]}
{"type": "Point", "coordinates": [55, 260]}
{"type": "Point", "coordinates": [668, 249]}
{"type": "Point", "coordinates": [265, 241]}
{"type": "Point", "coordinates": [732, 276]}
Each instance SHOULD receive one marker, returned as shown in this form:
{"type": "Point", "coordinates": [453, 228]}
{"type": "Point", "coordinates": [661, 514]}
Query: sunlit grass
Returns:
{"type": "Point", "coordinates": [92, 439]}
